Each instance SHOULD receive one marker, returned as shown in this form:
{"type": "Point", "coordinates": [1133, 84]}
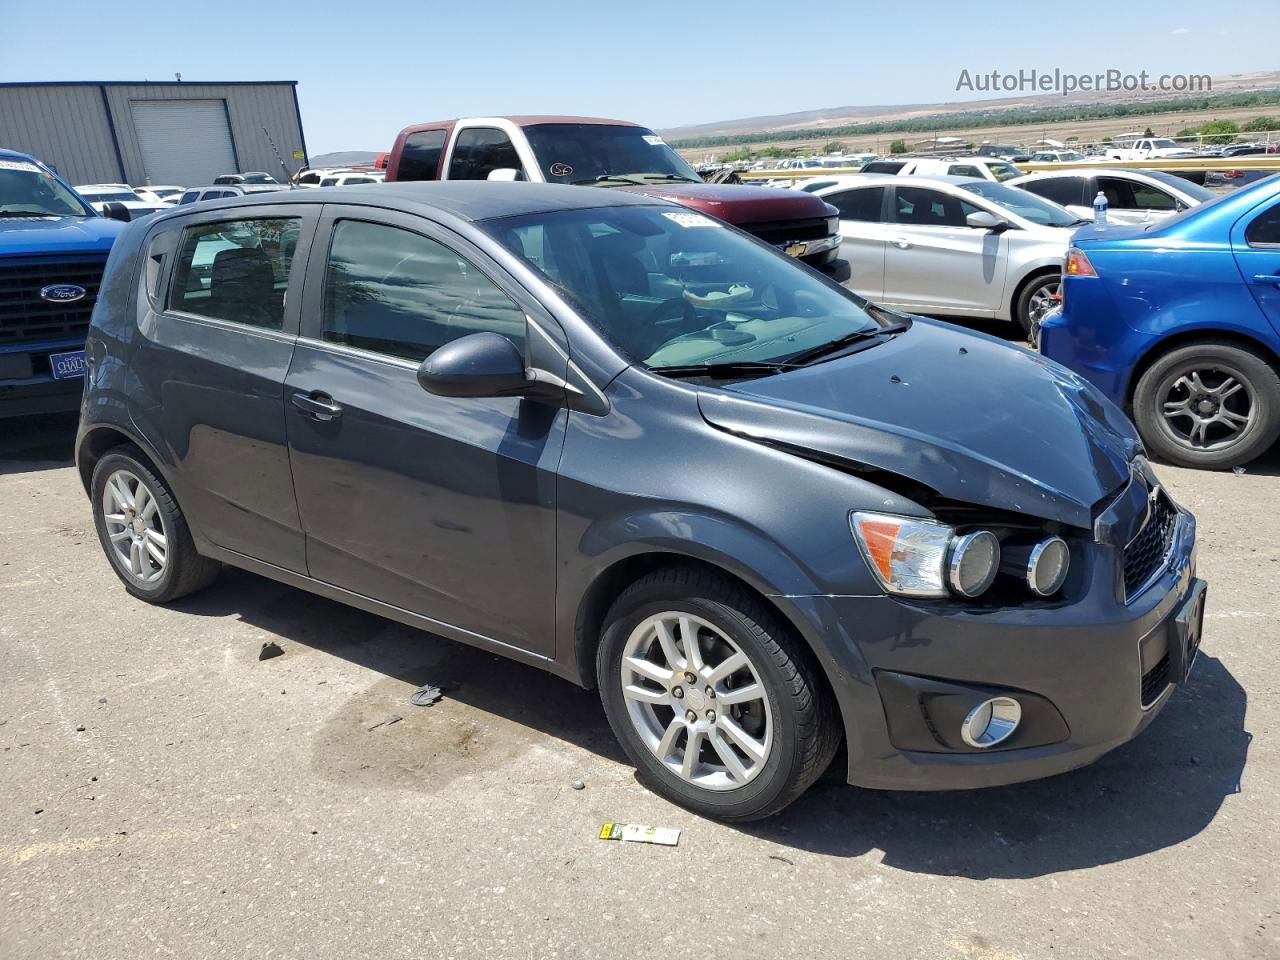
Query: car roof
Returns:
{"type": "Point", "coordinates": [468, 200]}
{"type": "Point", "coordinates": [14, 155]}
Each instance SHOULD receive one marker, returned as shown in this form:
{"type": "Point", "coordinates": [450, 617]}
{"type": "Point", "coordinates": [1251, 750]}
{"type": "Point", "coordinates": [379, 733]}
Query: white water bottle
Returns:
{"type": "Point", "coordinates": [1100, 209]}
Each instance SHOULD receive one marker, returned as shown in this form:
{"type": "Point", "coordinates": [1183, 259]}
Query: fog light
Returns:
{"type": "Point", "coordinates": [1042, 566]}
{"type": "Point", "coordinates": [991, 722]}
{"type": "Point", "coordinates": [973, 563]}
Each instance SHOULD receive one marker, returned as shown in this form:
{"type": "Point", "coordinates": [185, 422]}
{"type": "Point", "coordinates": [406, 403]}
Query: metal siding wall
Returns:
{"type": "Point", "coordinates": [65, 127]}
{"type": "Point", "coordinates": [249, 109]}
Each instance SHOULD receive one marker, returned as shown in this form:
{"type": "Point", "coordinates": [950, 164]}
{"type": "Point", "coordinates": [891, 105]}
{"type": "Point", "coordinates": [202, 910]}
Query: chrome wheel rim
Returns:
{"type": "Point", "coordinates": [135, 528]}
{"type": "Point", "coordinates": [1206, 408]}
{"type": "Point", "coordinates": [696, 701]}
{"type": "Point", "coordinates": [1042, 301]}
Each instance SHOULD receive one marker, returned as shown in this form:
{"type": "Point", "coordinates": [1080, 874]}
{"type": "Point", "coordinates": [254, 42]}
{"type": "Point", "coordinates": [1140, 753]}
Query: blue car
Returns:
{"type": "Point", "coordinates": [53, 248]}
{"type": "Point", "coordinates": [1178, 322]}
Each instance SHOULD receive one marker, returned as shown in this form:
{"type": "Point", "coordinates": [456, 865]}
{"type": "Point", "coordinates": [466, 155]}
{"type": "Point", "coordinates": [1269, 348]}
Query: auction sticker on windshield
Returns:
{"type": "Point", "coordinates": [690, 219]}
{"type": "Point", "coordinates": [64, 366]}
{"type": "Point", "coordinates": [19, 165]}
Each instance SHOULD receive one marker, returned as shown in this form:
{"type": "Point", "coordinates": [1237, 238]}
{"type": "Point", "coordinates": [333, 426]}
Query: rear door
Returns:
{"type": "Point", "coordinates": [1071, 192]}
{"type": "Point", "coordinates": [1255, 241]}
{"type": "Point", "coordinates": [863, 232]}
{"type": "Point", "coordinates": [935, 262]}
{"type": "Point", "coordinates": [444, 507]}
{"type": "Point", "coordinates": [215, 349]}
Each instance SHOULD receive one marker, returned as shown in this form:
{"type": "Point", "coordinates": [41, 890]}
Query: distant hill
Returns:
{"type": "Point", "coordinates": [344, 158]}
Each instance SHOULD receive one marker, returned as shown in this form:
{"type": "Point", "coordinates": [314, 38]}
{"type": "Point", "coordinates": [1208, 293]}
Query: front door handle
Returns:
{"type": "Point", "coordinates": [1265, 278]}
{"type": "Point", "coordinates": [319, 406]}
{"type": "Point", "coordinates": [901, 244]}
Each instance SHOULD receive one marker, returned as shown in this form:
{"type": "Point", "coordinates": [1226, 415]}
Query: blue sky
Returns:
{"type": "Point", "coordinates": [366, 69]}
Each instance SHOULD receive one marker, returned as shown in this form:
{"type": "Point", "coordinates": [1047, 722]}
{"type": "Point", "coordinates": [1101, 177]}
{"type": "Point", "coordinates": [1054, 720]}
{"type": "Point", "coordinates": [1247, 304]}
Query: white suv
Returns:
{"type": "Point", "coordinates": [984, 168]}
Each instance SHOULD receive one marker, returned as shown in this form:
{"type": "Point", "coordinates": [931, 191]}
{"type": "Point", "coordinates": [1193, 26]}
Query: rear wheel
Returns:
{"type": "Point", "coordinates": [1209, 405]}
{"type": "Point", "coordinates": [142, 530]}
{"type": "Point", "coordinates": [712, 697]}
{"type": "Point", "coordinates": [1038, 297]}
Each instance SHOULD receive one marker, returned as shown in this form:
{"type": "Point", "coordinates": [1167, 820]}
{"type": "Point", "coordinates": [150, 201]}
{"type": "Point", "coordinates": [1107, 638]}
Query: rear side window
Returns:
{"type": "Point", "coordinates": [862, 205]}
{"type": "Point", "coordinates": [309, 178]}
{"type": "Point", "coordinates": [1265, 229]}
{"type": "Point", "coordinates": [923, 207]}
{"type": "Point", "coordinates": [1061, 190]}
{"type": "Point", "coordinates": [964, 170]}
{"type": "Point", "coordinates": [236, 270]}
{"type": "Point", "coordinates": [420, 156]}
{"type": "Point", "coordinates": [396, 292]}
{"type": "Point", "coordinates": [190, 196]}
{"type": "Point", "coordinates": [480, 150]}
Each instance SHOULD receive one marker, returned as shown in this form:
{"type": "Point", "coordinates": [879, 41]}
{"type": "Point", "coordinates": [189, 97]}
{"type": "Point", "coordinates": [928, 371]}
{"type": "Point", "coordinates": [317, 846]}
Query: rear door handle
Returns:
{"type": "Point", "coordinates": [1265, 278]}
{"type": "Point", "coordinates": [319, 406]}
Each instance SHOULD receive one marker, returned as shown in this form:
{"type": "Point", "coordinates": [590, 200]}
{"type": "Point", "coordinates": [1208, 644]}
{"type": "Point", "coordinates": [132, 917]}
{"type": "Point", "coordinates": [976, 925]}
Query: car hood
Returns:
{"type": "Point", "coordinates": [969, 416]}
{"type": "Point", "coordinates": [1093, 233]}
{"type": "Point", "coordinates": [24, 237]}
{"type": "Point", "coordinates": [739, 204]}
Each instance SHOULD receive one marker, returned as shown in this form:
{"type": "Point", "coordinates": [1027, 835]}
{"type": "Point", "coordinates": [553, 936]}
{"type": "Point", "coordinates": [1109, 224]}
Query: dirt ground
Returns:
{"type": "Point", "coordinates": [164, 793]}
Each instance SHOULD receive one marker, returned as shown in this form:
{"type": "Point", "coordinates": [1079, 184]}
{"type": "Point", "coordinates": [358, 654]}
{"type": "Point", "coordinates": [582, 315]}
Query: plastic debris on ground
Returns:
{"type": "Point", "coordinates": [640, 833]}
{"type": "Point", "coordinates": [387, 722]}
{"type": "Point", "coordinates": [425, 695]}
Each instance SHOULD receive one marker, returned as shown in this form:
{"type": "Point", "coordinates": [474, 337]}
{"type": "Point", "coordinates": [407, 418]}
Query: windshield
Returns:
{"type": "Point", "coordinates": [257, 178]}
{"type": "Point", "coordinates": [1026, 205]}
{"type": "Point", "coordinates": [27, 188]}
{"type": "Point", "coordinates": [1183, 185]}
{"type": "Point", "coordinates": [1163, 143]}
{"type": "Point", "coordinates": [586, 152]}
{"type": "Point", "coordinates": [1004, 171]}
{"type": "Point", "coordinates": [114, 196]}
{"type": "Point", "coordinates": [672, 288]}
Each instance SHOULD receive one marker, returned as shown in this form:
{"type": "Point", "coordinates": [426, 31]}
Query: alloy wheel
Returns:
{"type": "Point", "coordinates": [1042, 301]}
{"type": "Point", "coordinates": [1206, 407]}
{"type": "Point", "coordinates": [135, 527]}
{"type": "Point", "coordinates": [696, 701]}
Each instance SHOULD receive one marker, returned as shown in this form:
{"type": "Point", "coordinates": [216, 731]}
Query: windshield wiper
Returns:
{"type": "Point", "coordinates": [33, 213]}
{"type": "Point", "coordinates": [609, 178]}
{"type": "Point", "coordinates": [670, 176]}
{"type": "Point", "coordinates": [805, 357]}
{"type": "Point", "coordinates": [738, 368]}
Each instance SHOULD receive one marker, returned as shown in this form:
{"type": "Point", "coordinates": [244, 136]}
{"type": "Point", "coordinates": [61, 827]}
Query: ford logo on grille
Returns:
{"type": "Point", "coordinates": [62, 293]}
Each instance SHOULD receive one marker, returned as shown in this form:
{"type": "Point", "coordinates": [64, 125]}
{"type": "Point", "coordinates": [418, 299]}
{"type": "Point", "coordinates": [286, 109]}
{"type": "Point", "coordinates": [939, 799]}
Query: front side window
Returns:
{"type": "Point", "coordinates": [478, 151]}
{"type": "Point", "coordinates": [921, 207]}
{"type": "Point", "coordinates": [396, 292]}
{"type": "Point", "coordinates": [864, 204]}
{"type": "Point", "coordinates": [191, 196]}
{"type": "Point", "coordinates": [29, 190]}
{"type": "Point", "coordinates": [1149, 198]}
{"type": "Point", "coordinates": [309, 178]}
{"type": "Point", "coordinates": [1026, 205]}
{"type": "Point", "coordinates": [1064, 191]}
{"type": "Point", "coordinates": [1264, 231]}
{"type": "Point", "coordinates": [1004, 171]}
{"type": "Point", "coordinates": [586, 153]}
{"type": "Point", "coordinates": [236, 270]}
{"type": "Point", "coordinates": [674, 289]}
{"type": "Point", "coordinates": [420, 155]}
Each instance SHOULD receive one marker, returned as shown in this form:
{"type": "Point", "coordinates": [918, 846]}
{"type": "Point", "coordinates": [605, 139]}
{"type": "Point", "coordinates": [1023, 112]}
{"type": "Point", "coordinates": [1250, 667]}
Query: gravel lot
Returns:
{"type": "Point", "coordinates": [163, 793]}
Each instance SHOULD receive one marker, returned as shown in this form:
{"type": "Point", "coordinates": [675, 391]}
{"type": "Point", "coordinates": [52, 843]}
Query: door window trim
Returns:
{"type": "Point", "coordinates": [514, 133]}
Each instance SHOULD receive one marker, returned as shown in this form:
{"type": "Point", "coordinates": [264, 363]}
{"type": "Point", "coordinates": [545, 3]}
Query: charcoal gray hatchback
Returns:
{"type": "Point", "coordinates": [626, 443]}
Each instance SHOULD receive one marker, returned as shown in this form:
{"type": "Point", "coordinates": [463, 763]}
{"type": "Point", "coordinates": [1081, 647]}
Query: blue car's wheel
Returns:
{"type": "Point", "coordinates": [1209, 405]}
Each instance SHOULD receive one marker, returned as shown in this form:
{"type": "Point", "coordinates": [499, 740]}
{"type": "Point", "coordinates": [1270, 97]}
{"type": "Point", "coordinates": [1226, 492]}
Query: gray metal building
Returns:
{"type": "Point", "coordinates": [162, 133]}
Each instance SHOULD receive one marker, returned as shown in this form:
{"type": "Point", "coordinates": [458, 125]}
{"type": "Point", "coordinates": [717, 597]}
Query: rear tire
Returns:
{"type": "Point", "coordinates": [142, 530]}
{"type": "Point", "coordinates": [762, 734]}
{"type": "Point", "coordinates": [1208, 405]}
{"type": "Point", "coordinates": [1037, 298]}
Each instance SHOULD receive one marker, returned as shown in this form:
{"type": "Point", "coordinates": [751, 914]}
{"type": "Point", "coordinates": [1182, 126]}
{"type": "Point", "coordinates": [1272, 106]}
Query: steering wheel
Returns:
{"type": "Point", "coordinates": [674, 312]}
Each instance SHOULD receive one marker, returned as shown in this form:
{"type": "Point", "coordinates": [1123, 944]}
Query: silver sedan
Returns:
{"type": "Point", "coordinates": [952, 246]}
{"type": "Point", "coordinates": [1133, 196]}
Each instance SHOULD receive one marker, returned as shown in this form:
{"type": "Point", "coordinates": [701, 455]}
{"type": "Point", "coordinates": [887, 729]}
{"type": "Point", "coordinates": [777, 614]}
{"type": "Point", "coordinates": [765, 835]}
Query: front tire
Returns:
{"type": "Point", "coordinates": [142, 530]}
{"type": "Point", "coordinates": [719, 706]}
{"type": "Point", "coordinates": [1208, 405]}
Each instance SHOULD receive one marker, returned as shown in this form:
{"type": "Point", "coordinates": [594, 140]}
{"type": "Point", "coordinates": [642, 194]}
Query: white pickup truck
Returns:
{"type": "Point", "coordinates": [1148, 148]}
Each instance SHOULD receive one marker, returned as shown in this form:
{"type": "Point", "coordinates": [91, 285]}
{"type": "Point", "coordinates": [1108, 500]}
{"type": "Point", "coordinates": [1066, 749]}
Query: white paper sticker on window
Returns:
{"type": "Point", "coordinates": [653, 141]}
{"type": "Point", "coordinates": [20, 165]}
{"type": "Point", "coordinates": [690, 219]}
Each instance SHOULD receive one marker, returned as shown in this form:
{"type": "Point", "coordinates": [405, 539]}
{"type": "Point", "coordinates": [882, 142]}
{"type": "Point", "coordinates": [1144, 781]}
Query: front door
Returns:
{"type": "Point", "coordinates": [216, 349]}
{"type": "Point", "coordinates": [1255, 241]}
{"type": "Point", "coordinates": [935, 263]}
{"type": "Point", "coordinates": [444, 507]}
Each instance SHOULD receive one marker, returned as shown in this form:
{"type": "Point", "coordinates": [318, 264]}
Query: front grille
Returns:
{"type": "Point", "coordinates": [26, 318]}
{"type": "Point", "coordinates": [1149, 550]}
{"type": "Point", "coordinates": [787, 231]}
{"type": "Point", "coordinates": [1154, 681]}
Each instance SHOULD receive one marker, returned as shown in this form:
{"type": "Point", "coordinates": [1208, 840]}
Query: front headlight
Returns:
{"type": "Point", "coordinates": [833, 226]}
{"type": "Point", "coordinates": [923, 558]}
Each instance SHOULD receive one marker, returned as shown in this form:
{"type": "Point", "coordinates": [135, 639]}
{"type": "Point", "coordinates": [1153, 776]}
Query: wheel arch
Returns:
{"type": "Point", "coordinates": [1029, 277]}
{"type": "Point", "coordinates": [1182, 338]}
{"type": "Point", "coordinates": [96, 442]}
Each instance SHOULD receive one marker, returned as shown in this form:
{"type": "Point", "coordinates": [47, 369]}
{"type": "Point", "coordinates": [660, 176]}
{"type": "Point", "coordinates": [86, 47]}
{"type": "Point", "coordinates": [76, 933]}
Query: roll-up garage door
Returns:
{"type": "Point", "coordinates": [184, 142]}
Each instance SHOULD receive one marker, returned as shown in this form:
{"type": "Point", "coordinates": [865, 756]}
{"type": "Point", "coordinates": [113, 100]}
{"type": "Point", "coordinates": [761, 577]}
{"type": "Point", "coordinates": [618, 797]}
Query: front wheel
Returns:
{"type": "Point", "coordinates": [1210, 405]}
{"type": "Point", "coordinates": [712, 697]}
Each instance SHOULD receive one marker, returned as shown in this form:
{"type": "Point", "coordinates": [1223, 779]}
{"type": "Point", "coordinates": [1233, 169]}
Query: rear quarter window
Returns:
{"type": "Point", "coordinates": [420, 155]}
{"type": "Point", "coordinates": [1264, 231]}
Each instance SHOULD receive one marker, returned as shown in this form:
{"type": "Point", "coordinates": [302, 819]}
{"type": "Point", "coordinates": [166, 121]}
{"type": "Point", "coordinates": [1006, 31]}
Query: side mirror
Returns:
{"type": "Point", "coordinates": [505, 174]}
{"type": "Point", "coordinates": [981, 220]}
{"type": "Point", "coordinates": [114, 210]}
{"type": "Point", "coordinates": [477, 365]}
